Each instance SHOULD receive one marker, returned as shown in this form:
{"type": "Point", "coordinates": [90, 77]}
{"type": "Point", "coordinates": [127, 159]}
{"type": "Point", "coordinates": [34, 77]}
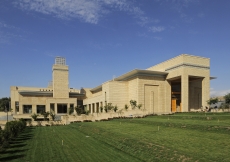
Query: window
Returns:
{"type": "Point", "coordinates": [62, 108]}
{"type": "Point", "coordinates": [41, 109]}
{"type": "Point", "coordinates": [27, 109]}
{"type": "Point", "coordinates": [16, 106]}
{"type": "Point", "coordinates": [52, 107]}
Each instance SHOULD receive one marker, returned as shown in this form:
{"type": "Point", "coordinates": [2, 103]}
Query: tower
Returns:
{"type": "Point", "coordinates": [60, 78]}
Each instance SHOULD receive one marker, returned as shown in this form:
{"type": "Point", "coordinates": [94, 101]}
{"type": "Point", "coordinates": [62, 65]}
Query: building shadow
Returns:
{"type": "Point", "coordinates": [16, 149]}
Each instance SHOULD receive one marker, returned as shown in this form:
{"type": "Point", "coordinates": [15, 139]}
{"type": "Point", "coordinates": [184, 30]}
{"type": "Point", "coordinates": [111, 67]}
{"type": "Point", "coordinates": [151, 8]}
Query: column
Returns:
{"type": "Point", "coordinates": [55, 108]}
{"type": "Point", "coordinates": [34, 109]}
{"type": "Point", "coordinates": [205, 91]}
{"type": "Point", "coordinates": [20, 108]}
{"type": "Point", "coordinates": [68, 106]}
{"type": "Point", "coordinates": [184, 93]}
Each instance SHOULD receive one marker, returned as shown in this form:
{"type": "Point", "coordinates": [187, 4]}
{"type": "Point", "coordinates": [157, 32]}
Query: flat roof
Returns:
{"type": "Point", "coordinates": [138, 72]}
{"type": "Point", "coordinates": [134, 73]}
{"type": "Point", "coordinates": [46, 93]}
{"type": "Point", "coordinates": [36, 93]}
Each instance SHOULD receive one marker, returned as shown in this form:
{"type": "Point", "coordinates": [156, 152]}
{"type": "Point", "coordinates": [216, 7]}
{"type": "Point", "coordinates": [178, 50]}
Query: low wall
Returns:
{"type": "Point", "coordinates": [67, 119]}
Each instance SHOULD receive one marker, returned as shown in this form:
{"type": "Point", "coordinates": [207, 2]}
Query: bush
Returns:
{"type": "Point", "coordinates": [71, 110]}
{"type": "Point", "coordinates": [80, 110]}
{"type": "Point", "coordinates": [52, 115]}
{"type": "Point", "coordinates": [34, 116]}
{"type": "Point", "coordinates": [12, 129]}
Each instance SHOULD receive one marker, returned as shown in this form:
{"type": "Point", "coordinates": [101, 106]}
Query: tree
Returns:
{"type": "Point", "coordinates": [212, 101]}
{"type": "Point", "coordinates": [4, 103]}
{"type": "Point", "coordinates": [101, 108]}
{"type": "Point", "coordinates": [45, 115]}
{"type": "Point", "coordinates": [133, 103]}
{"type": "Point", "coordinates": [34, 116]}
{"type": "Point", "coordinates": [52, 115]}
{"type": "Point", "coordinates": [139, 106]}
{"type": "Point", "coordinates": [71, 109]}
{"type": "Point", "coordinates": [109, 106]}
{"type": "Point", "coordinates": [79, 109]}
{"type": "Point", "coordinates": [126, 107]}
{"type": "Point", "coordinates": [227, 98]}
{"type": "Point", "coordinates": [115, 108]}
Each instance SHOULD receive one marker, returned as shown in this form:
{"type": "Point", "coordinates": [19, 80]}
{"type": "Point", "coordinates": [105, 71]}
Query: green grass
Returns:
{"type": "Point", "coordinates": [181, 137]}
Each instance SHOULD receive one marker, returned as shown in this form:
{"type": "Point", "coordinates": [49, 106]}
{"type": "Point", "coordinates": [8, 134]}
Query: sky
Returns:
{"type": "Point", "coordinates": [103, 39]}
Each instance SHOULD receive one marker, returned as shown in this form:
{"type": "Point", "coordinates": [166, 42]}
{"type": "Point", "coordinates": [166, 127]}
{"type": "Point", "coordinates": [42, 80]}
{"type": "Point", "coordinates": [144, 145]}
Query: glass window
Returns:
{"type": "Point", "coordinates": [52, 107]}
{"type": "Point", "coordinates": [41, 109]}
{"type": "Point", "coordinates": [27, 109]}
{"type": "Point", "coordinates": [62, 108]}
{"type": "Point", "coordinates": [17, 106]}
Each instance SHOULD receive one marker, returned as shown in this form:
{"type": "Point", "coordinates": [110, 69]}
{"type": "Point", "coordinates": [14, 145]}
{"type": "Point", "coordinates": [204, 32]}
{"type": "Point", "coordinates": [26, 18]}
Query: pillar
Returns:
{"type": "Point", "coordinates": [55, 108]}
{"type": "Point", "coordinates": [205, 91]}
{"type": "Point", "coordinates": [184, 93]}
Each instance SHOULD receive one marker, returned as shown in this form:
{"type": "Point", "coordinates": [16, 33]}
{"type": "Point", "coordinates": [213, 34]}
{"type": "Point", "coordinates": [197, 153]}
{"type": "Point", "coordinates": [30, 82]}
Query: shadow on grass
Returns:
{"type": "Point", "coordinates": [14, 151]}
{"type": "Point", "coordinates": [12, 157]}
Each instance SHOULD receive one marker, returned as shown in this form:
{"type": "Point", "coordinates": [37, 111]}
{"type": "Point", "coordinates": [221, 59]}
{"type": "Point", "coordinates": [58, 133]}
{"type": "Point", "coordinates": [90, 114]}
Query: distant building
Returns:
{"type": "Point", "coordinates": [176, 85]}
{"type": "Point", "coordinates": [57, 97]}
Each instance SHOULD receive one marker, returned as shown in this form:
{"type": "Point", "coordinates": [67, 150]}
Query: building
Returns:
{"type": "Point", "coordinates": [57, 97]}
{"type": "Point", "coordinates": [180, 84]}
{"type": "Point", "coordinates": [176, 85]}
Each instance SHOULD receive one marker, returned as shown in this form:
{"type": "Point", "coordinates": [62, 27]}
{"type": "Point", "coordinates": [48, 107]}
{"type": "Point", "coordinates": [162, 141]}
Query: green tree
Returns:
{"type": "Point", "coordinates": [45, 115]}
{"type": "Point", "coordinates": [52, 115]}
{"type": "Point", "coordinates": [34, 116]}
{"type": "Point", "coordinates": [71, 110]}
{"type": "Point", "coordinates": [4, 103]}
{"type": "Point", "coordinates": [212, 101]}
{"type": "Point", "coordinates": [79, 109]}
{"type": "Point", "coordinates": [133, 103]}
{"type": "Point", "coordinates": [227, 98]}
{"type": "Point", "coordinates": [115, 108]}
{"type": "Point", "coordinates": [126, 107]}
{"type": "Point", "coordinates": [139, 106]}
{"type": "Point", "coordinates": [101, 108]}
{"type": "Point", "coordinates": [108, 107]}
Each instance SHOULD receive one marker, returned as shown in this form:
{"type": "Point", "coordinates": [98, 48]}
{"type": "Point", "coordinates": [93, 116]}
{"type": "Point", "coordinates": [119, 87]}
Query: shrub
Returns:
{"type": "Point", "coordinates": [133, 103]}
{"type": "Point", "coordinates": [45, 115]}
{"type": "Point", "coordinates": [12, 129]}
{"type": "Point", "coordinates": [139, 106]}
{"type": "Point", "coordinates": [79, 109]}
{"type": "Point", "coordinates": [115, 108]}
{"type": "Point", "coordinates": [34, 116]}
{"type": "Point", "coordinates": [52, 115]}
{"type": "Point", "coordinates": [71, 110]}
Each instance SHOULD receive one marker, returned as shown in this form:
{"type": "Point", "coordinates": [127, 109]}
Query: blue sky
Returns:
{"type": "Point", "coordinates": [102, 39]}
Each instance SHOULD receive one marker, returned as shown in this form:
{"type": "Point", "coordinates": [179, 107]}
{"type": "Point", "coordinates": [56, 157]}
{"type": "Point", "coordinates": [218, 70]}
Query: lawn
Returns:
{"type": "Point", "coordinates": [178, 137]}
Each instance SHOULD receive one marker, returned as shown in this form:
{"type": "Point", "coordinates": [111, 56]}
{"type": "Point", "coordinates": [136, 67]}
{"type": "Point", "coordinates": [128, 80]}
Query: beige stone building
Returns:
{"type": "Point", "coordinates": [180, 84]}
{"type": "Point", "coordinates": [57, 97]}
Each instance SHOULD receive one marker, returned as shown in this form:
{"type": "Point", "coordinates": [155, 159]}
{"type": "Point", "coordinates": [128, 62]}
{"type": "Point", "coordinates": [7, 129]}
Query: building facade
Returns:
{"type": "Point", "coordinates": [180, 84]}
{"type": "Point", "coordinates": [176, 85]}
{"type": "Point", "coordinates": [56, 98]}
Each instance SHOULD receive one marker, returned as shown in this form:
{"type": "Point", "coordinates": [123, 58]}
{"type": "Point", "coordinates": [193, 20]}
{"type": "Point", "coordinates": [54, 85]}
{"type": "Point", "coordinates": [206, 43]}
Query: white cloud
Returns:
{"type": "Point", "coordinates": [216, 93]}
{"type": "Point", "coordinates": [90, 11]}
{"type": "Point", "coordinates": [87, 10]}
{"type": "Point", "coordinates": [156, 29]}
{"type": "Point", "coordinates": [66, 9]}
{"type": "Point", "coordinates": [8, 33]}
